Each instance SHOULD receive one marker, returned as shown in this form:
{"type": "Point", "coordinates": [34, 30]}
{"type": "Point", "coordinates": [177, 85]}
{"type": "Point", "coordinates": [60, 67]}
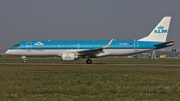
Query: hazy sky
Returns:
{"type": "Point", "coordinates": [22, 20]}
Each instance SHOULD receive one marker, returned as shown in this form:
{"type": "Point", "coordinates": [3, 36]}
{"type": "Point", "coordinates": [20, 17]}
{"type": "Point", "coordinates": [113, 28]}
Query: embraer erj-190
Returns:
{"type": "Point", "coordinates": [76, 49]}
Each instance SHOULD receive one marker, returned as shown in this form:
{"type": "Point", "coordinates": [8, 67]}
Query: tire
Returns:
{"type": "Point", "coordinates": [88, 61]}
{"type": "Point", "coordinates": [24, 61]}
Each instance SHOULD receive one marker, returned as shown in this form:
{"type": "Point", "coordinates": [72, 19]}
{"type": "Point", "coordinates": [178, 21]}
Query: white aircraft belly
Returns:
{"type": "Point", "coordinates": [33, 52]}
{"type": "Point", "coordinates": [106, 52]}
{"type": "Point", "coordinates": [125, 51]}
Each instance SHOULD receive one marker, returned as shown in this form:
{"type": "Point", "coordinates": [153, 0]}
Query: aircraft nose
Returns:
{"type": "Point", "coordinates": [7, 52]}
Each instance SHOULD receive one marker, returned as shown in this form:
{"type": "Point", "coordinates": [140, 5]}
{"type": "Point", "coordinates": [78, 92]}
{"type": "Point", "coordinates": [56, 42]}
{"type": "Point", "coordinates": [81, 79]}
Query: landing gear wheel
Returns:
{"type": "Point", "coordinates": [24, 61]}
{"type": "Point", "coordinates": [88, 61]}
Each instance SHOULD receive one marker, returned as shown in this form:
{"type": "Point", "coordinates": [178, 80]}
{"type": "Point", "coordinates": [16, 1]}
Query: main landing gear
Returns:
{"type": "Point", "coordinates": [88, 61]}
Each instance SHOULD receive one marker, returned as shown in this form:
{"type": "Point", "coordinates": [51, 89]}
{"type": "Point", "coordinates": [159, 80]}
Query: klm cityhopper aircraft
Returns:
{"type": "Point", "coordinates": [73, 50]}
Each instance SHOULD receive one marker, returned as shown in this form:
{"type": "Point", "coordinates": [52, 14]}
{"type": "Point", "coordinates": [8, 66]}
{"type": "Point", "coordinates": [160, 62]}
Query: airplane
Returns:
{"type": "Point", "coordinates": [70, 50]}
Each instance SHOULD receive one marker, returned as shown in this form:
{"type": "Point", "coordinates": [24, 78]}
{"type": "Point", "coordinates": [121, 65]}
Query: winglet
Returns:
{"type": "Point", "coordinates": [106, 46]}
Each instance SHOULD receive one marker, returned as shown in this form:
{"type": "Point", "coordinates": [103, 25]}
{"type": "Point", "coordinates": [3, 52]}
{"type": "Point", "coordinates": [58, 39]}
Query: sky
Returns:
{"type": "Point", "coordinates": [22, 20]}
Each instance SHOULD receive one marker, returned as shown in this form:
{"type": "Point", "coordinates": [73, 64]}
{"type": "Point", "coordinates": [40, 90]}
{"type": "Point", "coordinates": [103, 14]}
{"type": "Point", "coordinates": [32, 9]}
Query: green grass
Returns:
{"type": "Point", "coordinates": [95, 82]}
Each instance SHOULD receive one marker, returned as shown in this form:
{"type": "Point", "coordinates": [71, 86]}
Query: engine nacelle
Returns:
{"type": "Point", "coordinates": [69, 56]}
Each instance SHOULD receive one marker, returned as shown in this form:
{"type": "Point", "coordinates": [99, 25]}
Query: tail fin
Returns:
{"type": "Point", "coordinates": [160, 32]}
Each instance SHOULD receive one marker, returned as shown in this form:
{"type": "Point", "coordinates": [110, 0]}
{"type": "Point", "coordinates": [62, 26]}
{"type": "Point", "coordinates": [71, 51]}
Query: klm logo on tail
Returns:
{"type": "Point", "coordinates": [160, 30]}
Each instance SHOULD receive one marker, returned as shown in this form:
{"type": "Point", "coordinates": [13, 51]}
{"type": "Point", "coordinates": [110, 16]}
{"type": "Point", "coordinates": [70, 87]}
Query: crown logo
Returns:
{"type": "Point", "coordinates": [160, 27]}
{"type": "Point", "coordinates": [38, 43]}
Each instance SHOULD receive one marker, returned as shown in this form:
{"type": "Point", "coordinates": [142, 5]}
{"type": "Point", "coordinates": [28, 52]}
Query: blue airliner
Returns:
{"type": "Point", "coordinates": [76, 49]}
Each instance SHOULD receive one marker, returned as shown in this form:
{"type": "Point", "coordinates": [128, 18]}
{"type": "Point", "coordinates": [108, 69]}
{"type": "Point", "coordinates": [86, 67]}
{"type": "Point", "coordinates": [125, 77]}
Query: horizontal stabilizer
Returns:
{"type": "Point", "coordinates": [168, 43]}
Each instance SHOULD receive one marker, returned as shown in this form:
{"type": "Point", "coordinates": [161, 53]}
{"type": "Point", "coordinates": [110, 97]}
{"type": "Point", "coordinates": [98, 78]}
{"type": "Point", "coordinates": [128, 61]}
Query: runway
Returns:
{"type": "Point", "coordinates": [95, 64]}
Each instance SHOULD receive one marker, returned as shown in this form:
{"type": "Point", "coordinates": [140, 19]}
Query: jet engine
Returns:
{"type": "Point", "coordinates": [69, 56]}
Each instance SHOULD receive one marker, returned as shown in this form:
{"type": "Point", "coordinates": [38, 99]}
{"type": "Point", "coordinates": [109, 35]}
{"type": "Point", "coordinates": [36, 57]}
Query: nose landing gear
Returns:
{"type": "Point", "coordinates": [24, 59]}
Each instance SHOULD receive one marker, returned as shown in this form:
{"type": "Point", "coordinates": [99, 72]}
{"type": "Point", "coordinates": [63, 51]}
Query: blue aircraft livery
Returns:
{"type": "Point", "coordinates": [70, 50]}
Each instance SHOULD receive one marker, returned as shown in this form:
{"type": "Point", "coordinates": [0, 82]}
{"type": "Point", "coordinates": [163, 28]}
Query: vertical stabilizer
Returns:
{"type": "Point", "coordinates": [160, 32]}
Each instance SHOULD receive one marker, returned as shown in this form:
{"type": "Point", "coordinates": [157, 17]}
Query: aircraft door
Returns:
{"type": "Point", "coordinates": [78, 46]}
{"type": "Point", "coordinates": [136, 45]}
{"type": "Point", "coordinates": [29, 46]}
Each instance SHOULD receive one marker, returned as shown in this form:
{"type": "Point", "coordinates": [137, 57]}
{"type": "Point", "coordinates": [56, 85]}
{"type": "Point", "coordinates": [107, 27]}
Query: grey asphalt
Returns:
{"type": "Point", "coordinates": [95, 64]}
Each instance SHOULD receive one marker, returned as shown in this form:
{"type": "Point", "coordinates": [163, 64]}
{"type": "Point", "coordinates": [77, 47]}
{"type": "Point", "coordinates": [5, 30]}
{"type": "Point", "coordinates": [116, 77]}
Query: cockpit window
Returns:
{"type": "Point", "coordinates": [16, 45]}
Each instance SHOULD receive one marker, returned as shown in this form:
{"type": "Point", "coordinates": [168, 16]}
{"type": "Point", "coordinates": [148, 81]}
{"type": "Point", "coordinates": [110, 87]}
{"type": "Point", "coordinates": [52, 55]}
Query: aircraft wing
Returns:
{"type": "Point", "coordinates": [168, 43]}
{"type": "Point", "coordinates": [96, 50]}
